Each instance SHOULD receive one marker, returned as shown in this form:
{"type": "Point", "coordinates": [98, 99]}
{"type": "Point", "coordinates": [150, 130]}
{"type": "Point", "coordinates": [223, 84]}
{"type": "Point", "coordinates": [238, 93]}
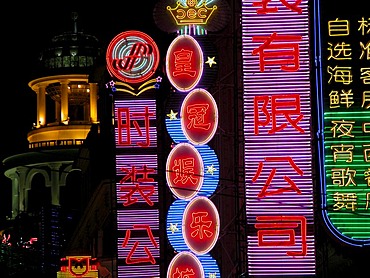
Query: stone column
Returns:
{"type": "Point", "coordinates": [64, 102]}
{"type": "Point", "coordinates": [41, 106]}
{"type": "Point", "coordinates": [55, 192]}
{"type": "Point", "coordinates": [93, 102]}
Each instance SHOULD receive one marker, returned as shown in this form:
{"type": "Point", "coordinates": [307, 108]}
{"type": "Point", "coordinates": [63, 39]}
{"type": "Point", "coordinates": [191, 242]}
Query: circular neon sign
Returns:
{"type": "Point", "coordinates": [132, 57]}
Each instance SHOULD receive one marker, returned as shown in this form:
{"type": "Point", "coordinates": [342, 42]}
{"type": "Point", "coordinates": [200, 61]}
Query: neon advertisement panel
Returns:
{"type": "Point", "coordinates": [344, 122]}
{"type": "Point", "coordinates": [136, 158]}
{"type": "Point", "coordinates": [278, 138]}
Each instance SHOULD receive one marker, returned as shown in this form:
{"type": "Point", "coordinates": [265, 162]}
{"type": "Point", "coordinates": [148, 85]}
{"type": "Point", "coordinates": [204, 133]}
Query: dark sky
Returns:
{"type": "Point", "coordinates": [25, 32]}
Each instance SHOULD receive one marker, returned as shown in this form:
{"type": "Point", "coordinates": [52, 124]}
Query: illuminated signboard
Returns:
{"type": "Point", "coordinates": [192, 170]}
{"type": "Point", "coordinates": [136, 187]}
{"type": "Point", "coordinates": [132, 57]}
{"type": "Point", "coordinates": [191, 16]}
{"type": "Point", "coordinates": [278, 138]}
{"type": "Point", "coordinates": [78, 266]}
{"type": "Point", "coordinates": [184, 63]}
{"type": "Point", "coordinates": [344, 106]}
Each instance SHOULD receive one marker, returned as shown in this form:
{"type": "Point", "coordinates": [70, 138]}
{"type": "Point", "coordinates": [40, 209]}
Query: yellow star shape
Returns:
{"type": "Point", "coordinates": [211, 169]}
{"type": "Point", "coordinates": [212, 275]}
{"type": "Point", "coordinates": [173, 228]}
{"type": "Point", "coordinates": [172, 115]}
{"type": "Point", "coordinates": [211, 61]}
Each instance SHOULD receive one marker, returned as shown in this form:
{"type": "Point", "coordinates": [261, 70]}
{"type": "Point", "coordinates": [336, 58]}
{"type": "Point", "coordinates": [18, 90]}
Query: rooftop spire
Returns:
{"type": "Point", "coordinates": [74, 17]}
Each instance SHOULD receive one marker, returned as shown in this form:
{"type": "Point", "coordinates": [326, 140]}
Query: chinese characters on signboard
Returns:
{"type": "Point", "coordinates": [132, 58]}
{"type": "Point", "coordinates": [278, 138]}
{"type": "Point", "coordinates": [346, 125]}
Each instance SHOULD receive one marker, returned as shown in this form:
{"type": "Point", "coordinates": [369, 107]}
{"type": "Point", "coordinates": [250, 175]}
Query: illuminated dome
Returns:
{"type": "Point", "coordinates": [71, 52]}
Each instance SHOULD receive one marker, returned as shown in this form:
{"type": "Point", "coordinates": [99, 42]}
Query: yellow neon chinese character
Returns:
{"type": "Point", "coordinates": [365, 50]}
{"type": "Point", "coordinates": [340, 74]}
{"type": "Point", "coordinates": [338, 28]}
{"type": "Point", "coordinates": [367, 176]}
{"type": "Point", "coordinates": [343, 176]}
{"type": "Point", "coordinates": [341, 51]}
{"type": "Point", "coordinates": [343, 152]}
{"type": "Point", "coordinates": [343, 127]}
{"type": "Point", "coordinates": [366, 99]}
{"type": "Point", "coordinates": [364, 26]}
{"type": "Point", "coordinates": [365, 75]}
{"type": "Point", "coordinates": [345, 200]}
{"type": "Point", "coordinates": [366, 153]}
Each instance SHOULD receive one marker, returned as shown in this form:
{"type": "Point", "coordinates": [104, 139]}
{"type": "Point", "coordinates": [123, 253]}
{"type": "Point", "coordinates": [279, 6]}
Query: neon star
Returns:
{"type": "Point", "coordinates": [212, 275]}
{"type": "Point", "coordinates": [211, 169]}
{"type": "Point", "coordinates": [173, 228]}
{"type": "Point", "coordinates": [172, 115]}
{"type": "Point", "coordinates": [211, 61]}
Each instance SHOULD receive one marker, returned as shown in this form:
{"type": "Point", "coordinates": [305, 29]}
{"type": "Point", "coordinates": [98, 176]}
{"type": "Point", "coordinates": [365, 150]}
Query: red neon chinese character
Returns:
{"type": "Point", "coordinates": [282, 226]}
{"type": "Point", "coordinates": [124, 126]}
{"type": "Point", "coordinates": [196, 116]}
{"type": "Point", "coordinates": [293, 187]}
{"type": "Point", "coordinates": [200, 225]}
{"type": "Point", "coordinates": [288, 59]}
{"type": "Point", "coordinates": [149, 258]}
{"type": "Point", "coordinates": [264, 10]}
{"type": "Point", "coordinates": [281, 105]}
{"type": "Point", "coordinates": [183, 63]}
{"type": "Point", "coordinates": [188, 273]}
{"type": "Point", "coordinates": [184, 169]}
{"type": "Point", "coordinates": [144, 190]}
{"type": "Point", "coordinates": [131, 174]}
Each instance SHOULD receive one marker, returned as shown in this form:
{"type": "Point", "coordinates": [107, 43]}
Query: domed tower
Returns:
{"type": "Point", "coordinates": [65, 118]}
{"type": "Point", "coordinates": [44, 182]}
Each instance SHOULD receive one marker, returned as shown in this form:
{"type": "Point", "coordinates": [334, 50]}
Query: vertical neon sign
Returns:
{"type": "Point", "coordinates": [132, 59]}
{"type": "Point", "coordinates": [344, 103]}
{"type": "Point", "coordinates": [278, 150]}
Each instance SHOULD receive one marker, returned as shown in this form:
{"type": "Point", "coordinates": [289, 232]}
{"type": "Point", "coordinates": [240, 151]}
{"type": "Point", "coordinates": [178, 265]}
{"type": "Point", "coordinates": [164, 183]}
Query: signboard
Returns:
{"type": "Point", "coordinates": [278, 138]}
{"type": "Point", "coordinates": [344, 120]}
{"type": "Point", "coordinates": [132, 59]}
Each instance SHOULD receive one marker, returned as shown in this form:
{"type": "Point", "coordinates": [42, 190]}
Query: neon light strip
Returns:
{"type": "Point", "coordinates": [267, 260]}
{"type": "Point", "coordinates": [127, 218]}
{"type": "Point", "coordinates": [174, 217]}
{"type": "Point", "coordinates": [135, 271]}
{"type": "Point", "coordinates": [210, 181]}
{"type": "Point", "coordinates": [210, 266]}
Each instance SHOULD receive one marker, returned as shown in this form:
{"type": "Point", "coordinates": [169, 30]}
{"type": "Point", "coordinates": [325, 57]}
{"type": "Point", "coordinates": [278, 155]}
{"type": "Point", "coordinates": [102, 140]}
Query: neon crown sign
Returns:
{"type": "Point", "coordinates": [191, 13]}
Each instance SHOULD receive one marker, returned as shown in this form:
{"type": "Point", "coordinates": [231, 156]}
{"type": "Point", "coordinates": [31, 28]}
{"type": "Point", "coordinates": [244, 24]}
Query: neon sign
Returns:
{"type": "Point", "coordinates": [277, 130]}
{"type": "Point", "coordinates": [184, 63]}
{"type": "Point", "coordinates": [136, 186]}
{"type": "Point", "coordinates": [344, 122]}
{"type": "Point", "coordinates": [132, 57]}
